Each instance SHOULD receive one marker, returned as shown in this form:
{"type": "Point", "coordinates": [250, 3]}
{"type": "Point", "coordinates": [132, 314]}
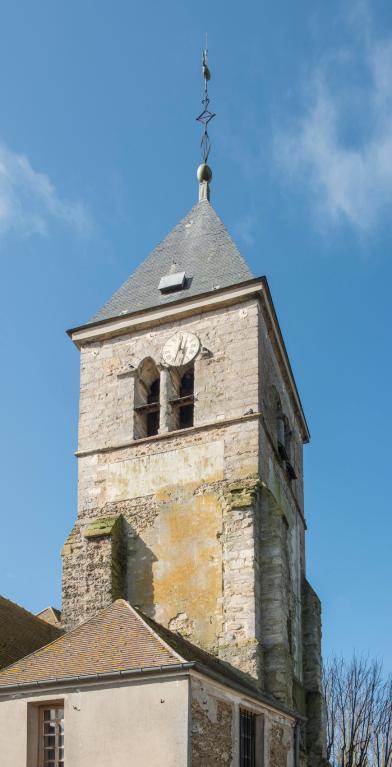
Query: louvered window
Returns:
{"type": "Point", "coordinates": [183, 401]}
{"type": "Point", "coordinates": [147, 400]}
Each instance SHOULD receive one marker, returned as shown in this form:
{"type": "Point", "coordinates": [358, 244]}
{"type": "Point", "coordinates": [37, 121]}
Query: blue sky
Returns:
{"type": "Point", "coordinates": [98, 152]}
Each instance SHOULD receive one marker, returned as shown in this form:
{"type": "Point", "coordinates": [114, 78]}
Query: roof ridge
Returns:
{"type": "Point", "coordinates": [23, 609]}
{"type": "Point", "coordinates": [58, 639]}
{"type": "Point", "coordinates": [48, 607]}
{"type": "Point", "coordinates": [141, 617]}
{"type": "Point", "coordinates": [134, 645]}
{"type": "Point", "coordinates": [200, 655]}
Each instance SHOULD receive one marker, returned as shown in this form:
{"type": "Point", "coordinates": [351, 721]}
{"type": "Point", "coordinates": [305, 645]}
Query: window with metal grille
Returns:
{"type": "Point", "coordinates": [51, 737]}
{"type": "Point", "coordinates": [247, 738]}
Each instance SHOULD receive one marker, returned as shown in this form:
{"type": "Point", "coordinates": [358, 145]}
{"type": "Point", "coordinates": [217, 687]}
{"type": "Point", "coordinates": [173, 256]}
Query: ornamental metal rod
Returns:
{"type": "Point", "coordinates": [206, 115]}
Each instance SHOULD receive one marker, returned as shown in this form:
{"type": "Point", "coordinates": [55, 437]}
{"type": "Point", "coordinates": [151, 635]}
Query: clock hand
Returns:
{"type": "Point", "coordinates": [184, 346]}
{"type": "Point", "coordinates": [178, 348]}
{"type": "Point", "coordinates": [185, 349]}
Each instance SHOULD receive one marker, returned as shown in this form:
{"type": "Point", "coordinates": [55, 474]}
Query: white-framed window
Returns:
{"type": "Point", "coordinates": [51, 736]}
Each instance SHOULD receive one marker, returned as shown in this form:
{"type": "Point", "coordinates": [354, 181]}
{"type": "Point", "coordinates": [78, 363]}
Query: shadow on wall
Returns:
{"type": "Point", "coordinates": [139, 578]}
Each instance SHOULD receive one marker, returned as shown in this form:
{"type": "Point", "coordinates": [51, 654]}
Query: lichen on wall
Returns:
{"type": "Point", "coordinates": [174, 566]}
{"type": "Point", "coordinates": [239, 643]}
{"type": "Point", "coordinates": [315, 733]}
{"type": "Point", "coordinates": [94, 568]}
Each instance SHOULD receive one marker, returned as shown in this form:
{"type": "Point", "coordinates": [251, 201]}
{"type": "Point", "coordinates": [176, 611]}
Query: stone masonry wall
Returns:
{"type": "Point", "coordinates": [273, 386]}
{"type": "Point", "coordinates": [275, 601]}
{"type": "Point", "coordinates": [186, 542]}
{"type": "Point", "coordinates": [280, 745]}
{"type": "Point", "coordinates": [215, 729]}
{"type": "Point", "coordinates": [315, 727]}
{"type": "Point", "coordinates": [94, 567]}
{"type": "Point", "coordinates": [283, 509]}
{"type": "Point", "coordinates": [240, 642]}
{"type": "Point", "coordinates": [171, 491]}
{"type": "Point", "coordinates": [211, 729]}
{"type": "Point", "coordinates": [192, 557]}
{"type": "Point", "coordinates": [226, 373]}
{"type": "Point", "coordinates": [213, 530]}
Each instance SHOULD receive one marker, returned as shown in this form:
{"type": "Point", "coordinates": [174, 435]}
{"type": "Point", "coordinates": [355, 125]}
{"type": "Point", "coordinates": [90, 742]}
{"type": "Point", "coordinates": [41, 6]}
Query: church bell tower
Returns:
{"type": "Point", "coordinates": [190, 473]}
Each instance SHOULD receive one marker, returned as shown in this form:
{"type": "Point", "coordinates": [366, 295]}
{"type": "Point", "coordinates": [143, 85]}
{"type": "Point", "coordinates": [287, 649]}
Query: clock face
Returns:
{"type": "Point", "coordinates": [180, 349]}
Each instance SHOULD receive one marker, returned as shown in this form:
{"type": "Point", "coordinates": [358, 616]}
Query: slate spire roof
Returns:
{"type": "Point", "coordinates": [200, 246]}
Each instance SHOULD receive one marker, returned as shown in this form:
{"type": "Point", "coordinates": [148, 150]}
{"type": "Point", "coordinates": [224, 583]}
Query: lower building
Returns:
{"type": "Point", "coordinates": [121, 690]}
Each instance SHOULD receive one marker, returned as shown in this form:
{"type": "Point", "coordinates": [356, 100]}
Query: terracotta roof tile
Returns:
{"type": "Point", "coordinates": [120, 638]}
{"type": "Point", "coordinates": [192, 653]}
{"type": "Point", "coordinates": [114, 640]}
{"type": "Point", "coordinates": [21, 632]}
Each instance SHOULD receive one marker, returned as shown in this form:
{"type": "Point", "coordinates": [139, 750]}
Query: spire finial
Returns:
{"type": "Point", "coordinates": [204, 172]}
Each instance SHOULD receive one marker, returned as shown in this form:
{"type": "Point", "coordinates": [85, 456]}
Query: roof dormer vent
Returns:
{"type": "Point", "coordinates": [172, 282]}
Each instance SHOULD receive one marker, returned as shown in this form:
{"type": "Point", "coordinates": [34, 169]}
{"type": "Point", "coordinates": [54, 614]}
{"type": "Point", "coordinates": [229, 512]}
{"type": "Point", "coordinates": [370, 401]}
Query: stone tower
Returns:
{"type": "Point", "coordinates": [190, 500]}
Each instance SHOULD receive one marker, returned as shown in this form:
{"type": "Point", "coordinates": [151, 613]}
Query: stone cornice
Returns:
{"type": "Point", "coordinates": [186, 307]}
{"type": "Point", "coordinates": [161, 315]}
{"type": "Point", "coordinates": [168, 435]}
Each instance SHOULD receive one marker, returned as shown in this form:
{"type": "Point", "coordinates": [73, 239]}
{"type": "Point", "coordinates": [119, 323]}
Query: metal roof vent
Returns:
{"type": "Point", "coordinates": [172, 282]}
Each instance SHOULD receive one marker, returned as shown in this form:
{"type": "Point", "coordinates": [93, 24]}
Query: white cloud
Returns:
{"type": "Point", "coordinates": [245, 227]}
{"type": "Point", "coordinates": [29, 203]}
{"type": "Point", "coordinates": [346, 180]}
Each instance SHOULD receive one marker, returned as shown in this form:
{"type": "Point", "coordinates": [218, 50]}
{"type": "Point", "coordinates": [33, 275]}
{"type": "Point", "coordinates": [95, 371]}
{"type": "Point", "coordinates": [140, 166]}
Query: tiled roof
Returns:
{"type": "Point", "coordinates": [119, 638]}
{"type": "Point", "coordinates": [191, 653]}
{"type": "Point", "coordinates": [50, 615]}
{"type": "Point", "coordinates": [114, 640]}
{"type": "Point", "coordinates": [21, 632]}
{"type": "Point", "coordinates": [200, 246]}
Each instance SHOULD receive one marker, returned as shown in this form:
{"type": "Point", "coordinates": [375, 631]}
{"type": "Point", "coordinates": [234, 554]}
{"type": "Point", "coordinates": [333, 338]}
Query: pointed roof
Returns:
{"type": "Point", "coordinates": [119, 638]}
{"type": "Point", "coordinates": [200, 246]}
{"type": "Point", "coordinates": [50, 615]}
{"type": "Point", "coordinates": [113, 640]}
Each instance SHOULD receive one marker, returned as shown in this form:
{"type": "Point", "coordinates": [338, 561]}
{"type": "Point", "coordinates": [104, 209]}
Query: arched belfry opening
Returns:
{"type": "Point", "coordinates": [182, 400]}
{"type": "Point", "coordinates": [284, 438]}
{"type": "Point", "coordinates": [146, 403]}
{"type": "Point", "coordinates": [186, 399]}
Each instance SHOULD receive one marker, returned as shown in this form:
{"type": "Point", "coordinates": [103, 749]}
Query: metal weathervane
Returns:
{"type": "Point", "coordinates": [206, 115]}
